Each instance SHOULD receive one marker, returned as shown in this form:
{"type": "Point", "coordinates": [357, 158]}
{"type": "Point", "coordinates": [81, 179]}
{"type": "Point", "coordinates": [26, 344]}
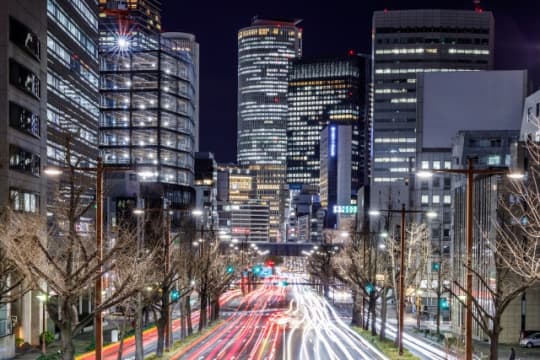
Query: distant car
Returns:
{"type": "Point", "coordinates": [530, 340]}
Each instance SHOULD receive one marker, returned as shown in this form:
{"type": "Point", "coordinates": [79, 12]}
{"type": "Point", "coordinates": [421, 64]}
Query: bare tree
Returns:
{"type": "Point", "coordinates": [503, 272]}
{"type": "Point", "coordinates": [15, 226]}
{"type": "Point", "coordinates": [67, 260]}
{"type": "Point", "coordinates": [417, 254]}
{"type": "Point", "coordinates": [521, 233]}
{"type": "Point", "coordinates": [319, 264]}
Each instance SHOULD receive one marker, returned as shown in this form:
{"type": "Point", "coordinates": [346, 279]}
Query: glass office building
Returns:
{"type": "Point", "coordinates": [322, 91]}
{"type": "Point", "coordinates": [147, 103]}
{"type": "Point", "coordinates": [405, 43]}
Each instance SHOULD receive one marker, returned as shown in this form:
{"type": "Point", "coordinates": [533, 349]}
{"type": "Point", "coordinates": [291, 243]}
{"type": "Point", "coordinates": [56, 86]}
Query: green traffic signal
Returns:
{"type": "Point", "coordinates": [284, 283]}
{"type": "Point", "coordinates": [230, 269]}
{"type": "Point", "coordinates": [443, 303]}
{"type": "Point", "coordinates": [175, 295]}
{"type": "Point", "coordinates": [435, 266]}
{"type": "Point", "coordinates": [257, 269]}
{"type": "Point", "coordinates": [369, 288]}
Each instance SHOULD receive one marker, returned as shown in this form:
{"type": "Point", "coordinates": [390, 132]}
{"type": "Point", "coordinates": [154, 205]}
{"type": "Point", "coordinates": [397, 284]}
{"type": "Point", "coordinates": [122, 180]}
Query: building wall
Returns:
{"type": "Point", "coordinates": [458, 101]}
{"type": "Point", "coordinates": [531, 117]}
{"type": "Point", "coordinates": [23, 131]}
{"type": "Point", "coordinates": [407, 43]}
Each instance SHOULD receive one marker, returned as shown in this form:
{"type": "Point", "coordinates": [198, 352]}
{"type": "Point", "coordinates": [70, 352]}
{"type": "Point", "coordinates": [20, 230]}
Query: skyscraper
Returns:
{"type": "Point", "coordinates": [147, 91]}
{"type": "Point", "coordinates": [407, 42]}
{"type": "Point", "coordinates": [23, 133]}
{"type": "Point", "coordinates": [320, 91]}
{"type": "Point", "coordinates": [264, 51]}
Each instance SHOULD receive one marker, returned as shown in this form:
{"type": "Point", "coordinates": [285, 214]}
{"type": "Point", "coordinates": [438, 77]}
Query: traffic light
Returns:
{"type": "Point", "coordinates": [369, 288]}
{"type": "Point", "coordinates": [443, 303]}
{"type": "Point", "coordinates": [435, 266]}
{"type": "Point", "coordinates": [257, 269]}
{"type": "Point", "coordinates": [283, 283]}
{"type": "Point", "coordinates": [175, 295]}
{"type": "Point", "coordinates": [230, 269]}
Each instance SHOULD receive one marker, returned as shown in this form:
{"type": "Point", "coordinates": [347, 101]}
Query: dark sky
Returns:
{"type": "Point", "coordinates": [329, 30]}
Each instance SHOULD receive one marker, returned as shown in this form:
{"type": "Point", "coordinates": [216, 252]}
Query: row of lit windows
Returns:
{"type": "Point", "coordinates": [73, 30]}
{"type": "Point", "coordinates": [390, 91]}
{"type": "Point", "coordinates": [403, 100]}
{"type": "Point", "coordinates": [64, 89]}
{"type": "Point", "coordinates": [407, 51]}
{"type": "Point", "coordinates": [64, 56]}
{"type": "Point", "coordinates": [436, 199]}
{"type": "Point", "coordinates": [431, 51]}
{"type": "Point", "coordinates": [436, 165]}
{"type": "Point", "coordinates": [416, 70]}
{"type": "Point", "coordinates": [395, 140]}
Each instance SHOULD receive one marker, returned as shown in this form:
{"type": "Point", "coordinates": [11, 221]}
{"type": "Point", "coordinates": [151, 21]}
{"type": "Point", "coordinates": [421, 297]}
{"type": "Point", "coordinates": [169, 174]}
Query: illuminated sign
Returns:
{"type": "Point", "coordinates": [345, 209]}
{"type": "Point", "coordinates": [333, 141]}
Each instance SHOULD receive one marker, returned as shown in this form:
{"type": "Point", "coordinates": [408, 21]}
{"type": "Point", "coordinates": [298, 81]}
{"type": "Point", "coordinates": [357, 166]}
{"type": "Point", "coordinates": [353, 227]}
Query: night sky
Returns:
{"type": "Point", "coordinates": [328, 31]}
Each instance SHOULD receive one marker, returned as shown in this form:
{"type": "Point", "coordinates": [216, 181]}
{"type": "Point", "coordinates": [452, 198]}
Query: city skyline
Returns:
{"type": "Point", "coordinates": [327, 32]}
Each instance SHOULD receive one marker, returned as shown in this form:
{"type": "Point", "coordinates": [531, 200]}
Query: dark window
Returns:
{"type": "Point", "coordinates": [23, 119]}
{"type": "Point", "coordinates": [23, 37]}
{"type": "Point", "coordinates": [23, 160]}
{"type": "Point", "coordinates": [436, 182]}
{"type": "Point", "coordinates": [447, 183]}
{"type": "Point", "coordinates": [24, 201]}
{"type": "Point", "coordinates": [24, 79]}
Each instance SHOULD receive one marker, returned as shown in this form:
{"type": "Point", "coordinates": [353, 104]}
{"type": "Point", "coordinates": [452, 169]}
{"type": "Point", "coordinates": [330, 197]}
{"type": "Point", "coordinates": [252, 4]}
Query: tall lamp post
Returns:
{"type": "Point", "coordinates": [99, 170]}
{"type": "Point", "coordinates": [470, 172]}
{"type": "Point", "coordinates": [402, 212]}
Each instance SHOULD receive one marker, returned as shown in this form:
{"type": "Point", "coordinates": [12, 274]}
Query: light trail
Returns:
{"type": "Point", "coordinates": [324, 335]}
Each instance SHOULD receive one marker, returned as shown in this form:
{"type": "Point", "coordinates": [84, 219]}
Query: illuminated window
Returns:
{"type": "Point", "coordinates": [424, 199]}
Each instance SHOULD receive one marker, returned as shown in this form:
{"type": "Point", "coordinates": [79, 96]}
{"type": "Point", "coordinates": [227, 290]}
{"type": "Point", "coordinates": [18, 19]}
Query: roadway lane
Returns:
{"type": "Point", "coordinates": [318, 332]}
{"type": "Point", "coordinates": [110, 352]}
{"type": "Point", "coordinates": [251, 332]}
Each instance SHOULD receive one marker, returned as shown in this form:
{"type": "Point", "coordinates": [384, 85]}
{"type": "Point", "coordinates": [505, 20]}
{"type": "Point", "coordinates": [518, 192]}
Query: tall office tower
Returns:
{"type": "Point", "coordinates": [323, 91]}
{"type": "Point", "coordinates": [23, 134]}
{"type": "Point", "coordinates": [264, 51]}
{"type": "Point", "coordinates": [405, 43]}
{"type": "Point", "coordinates": [72, 90]}
{"type": "Point", "coordinates": [148, 105]}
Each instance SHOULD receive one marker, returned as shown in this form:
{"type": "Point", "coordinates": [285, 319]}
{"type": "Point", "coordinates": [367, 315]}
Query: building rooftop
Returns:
{"type": "Point", "coordinates": [274, 21]}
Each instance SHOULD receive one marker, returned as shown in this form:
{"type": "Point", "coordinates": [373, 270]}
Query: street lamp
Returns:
{"type": "Point", "coordinates": [403, 211]}
{"type": "Point", "coordinates": [99, 170]}
{"type": "Point", "coordinates": [470, 172]}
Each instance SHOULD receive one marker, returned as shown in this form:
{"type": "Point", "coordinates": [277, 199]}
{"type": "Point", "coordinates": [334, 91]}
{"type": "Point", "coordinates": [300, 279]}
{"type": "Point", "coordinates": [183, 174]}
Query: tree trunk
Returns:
{"type": "Point", "coordinates": [183, 322]}
{"type": "Point", "coordinates": [203, 311]}
{"type": "Point", "coordinates": [68, 348]}
{"type": "Point", "coordinates": [494, 339]}
{"type": "Point", "coordinates": [217, 309]}
{"type": "Point", "coordinates": [139, 349]}
{"type": "Point", "coordinates": [160, 324]}
{"type": "Point", "coordinates": [356, 316]}
{"type": "Point", "coordinates": [188, 316]}
{"type": "Point", "coordinates": [438, 319]}
{"type": "Point", "coordinates": [384, 308]}
{"type": "Point", "coordinates": [121, 345]}
{"type": "Point", "coordinates": [373, 311]}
